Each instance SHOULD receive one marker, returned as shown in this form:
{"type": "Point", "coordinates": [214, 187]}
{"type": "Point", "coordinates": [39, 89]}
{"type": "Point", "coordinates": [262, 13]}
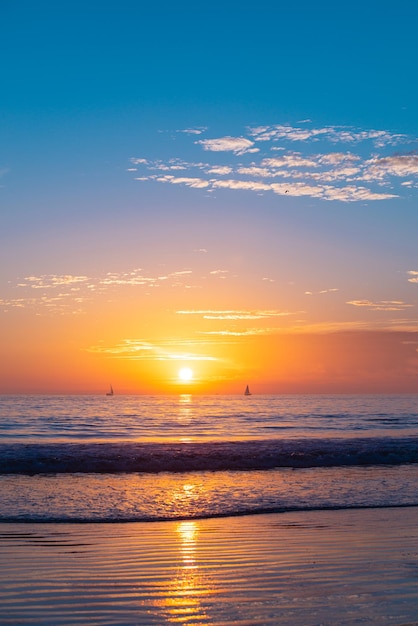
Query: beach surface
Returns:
{"type": "Point", "coordinates": [346, 567]}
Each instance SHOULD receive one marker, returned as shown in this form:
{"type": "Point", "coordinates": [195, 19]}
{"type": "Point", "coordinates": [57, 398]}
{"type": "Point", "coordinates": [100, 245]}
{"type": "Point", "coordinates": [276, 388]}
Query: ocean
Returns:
{"type": "Point", "coordinates": [157, 458]}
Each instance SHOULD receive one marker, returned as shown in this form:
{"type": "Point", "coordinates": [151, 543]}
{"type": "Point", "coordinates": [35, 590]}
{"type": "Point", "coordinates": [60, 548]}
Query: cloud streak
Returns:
{"type": "Point", "coordinates": [382, 305]}
{"type": "Point", "coordinates": [235, 315]}
{"type": "Point", "coordinates": [138, 350]}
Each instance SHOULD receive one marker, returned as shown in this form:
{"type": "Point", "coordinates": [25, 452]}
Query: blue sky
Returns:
{"type": "Point", "coordinates": [269, 146]}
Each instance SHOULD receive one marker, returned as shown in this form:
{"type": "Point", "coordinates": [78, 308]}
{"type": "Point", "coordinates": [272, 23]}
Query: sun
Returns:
{"type": "Point", "coordinates": [185, 374]}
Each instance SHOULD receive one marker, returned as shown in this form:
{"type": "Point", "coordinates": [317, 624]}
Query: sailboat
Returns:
{"type": "Point", "coordinates": [110, 393]}
{"type": "Point", "coordinates": [247, 391]}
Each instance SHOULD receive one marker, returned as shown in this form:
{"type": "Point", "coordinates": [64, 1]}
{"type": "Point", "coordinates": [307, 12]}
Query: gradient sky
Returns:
{"type": "Point", "coordinates": [226, 186]}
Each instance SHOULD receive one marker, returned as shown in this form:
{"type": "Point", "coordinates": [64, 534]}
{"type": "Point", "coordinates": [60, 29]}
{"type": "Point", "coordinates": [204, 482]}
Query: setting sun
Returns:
{"type": "Point", "coordinates": [185, 374]}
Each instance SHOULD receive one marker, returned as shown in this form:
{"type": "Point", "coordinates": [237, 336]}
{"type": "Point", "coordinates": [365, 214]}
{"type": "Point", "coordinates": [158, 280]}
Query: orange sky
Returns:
{"type": "Point", "coordinates": [136, 330]}
{"type": "Point", "coordinates": [246, 209]}
{"type": "Point", "coordinates": [84, 353]}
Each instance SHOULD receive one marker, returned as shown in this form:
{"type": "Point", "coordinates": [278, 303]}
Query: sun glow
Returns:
{"type": "Point", "coordinates": [185, 374]}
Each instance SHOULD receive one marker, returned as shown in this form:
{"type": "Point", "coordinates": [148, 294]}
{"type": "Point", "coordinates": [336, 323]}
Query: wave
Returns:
{"type": "Point", "coordinates": [118, 519]}
{"type": "Point", "coordinates": [110, 458]}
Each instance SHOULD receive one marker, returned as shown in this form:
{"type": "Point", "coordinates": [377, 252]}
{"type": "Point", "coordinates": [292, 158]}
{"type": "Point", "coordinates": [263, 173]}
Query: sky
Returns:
{"type": "Point", "coordinates": [226, 187]}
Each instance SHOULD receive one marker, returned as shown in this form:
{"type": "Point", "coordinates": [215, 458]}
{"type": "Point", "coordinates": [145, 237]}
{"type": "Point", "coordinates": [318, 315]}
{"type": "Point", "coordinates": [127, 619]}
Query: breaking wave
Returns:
{"type": "Point", "coordinates": [150, 458]}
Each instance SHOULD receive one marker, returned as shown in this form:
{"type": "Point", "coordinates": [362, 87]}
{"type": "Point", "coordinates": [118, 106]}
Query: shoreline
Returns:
{"type": "Point", "coordinates": [304, 568]}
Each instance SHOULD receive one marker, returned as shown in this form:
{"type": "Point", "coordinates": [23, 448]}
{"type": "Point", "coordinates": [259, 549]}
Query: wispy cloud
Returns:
{"type": "Point", "coordinates": [219, 273]}
{"type": "Point", "coordinates": [326, 192]}
{"type": "Point", "coordinates": [60, 304]}
{"type": "Point", "coordinates": [237, 145]}
{"type": "Point", "coordinates": [330, 163]}
{"type": "Point", "coordinates": [53, 294]}
{"type": "Point", "coordinates": [321, 292]}
{"type": "Point", "coordinates": [197, 183]}
{"type": "Point", "coordinates": [247, 332]}
{"type": "Point", "coordinates": [67, 293]}
{"type": "Point", "coordinates": [51, 281]}
{"type": "Point", "coordinates": [382, 305]}
{"type": "Point", "coordinates": [235, 315]}
{"type": "Point", "coordinates": [193, 131]}
{"type": "Point", "coordinates": [326, 327]}
{"type": "Point", "coordinates": [138, 350]}
{"type": "Point", "coordinates": [414, 276]}
{"type": "Point", "coordinates": [334, 134]}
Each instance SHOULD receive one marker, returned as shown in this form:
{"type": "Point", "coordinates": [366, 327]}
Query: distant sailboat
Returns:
{"type": "Point", "coordinates": [247, 391]}
{"type": "Point", "coordinates": [110, 393]}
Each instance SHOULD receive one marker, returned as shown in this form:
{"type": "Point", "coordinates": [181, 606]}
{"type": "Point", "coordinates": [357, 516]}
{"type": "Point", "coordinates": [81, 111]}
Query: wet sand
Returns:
{"type": "Point", "coordinates": [324, 568]}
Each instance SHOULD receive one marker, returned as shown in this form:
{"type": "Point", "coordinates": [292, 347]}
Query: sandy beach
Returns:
{"type": "Point", "coordinates": [341, 567]}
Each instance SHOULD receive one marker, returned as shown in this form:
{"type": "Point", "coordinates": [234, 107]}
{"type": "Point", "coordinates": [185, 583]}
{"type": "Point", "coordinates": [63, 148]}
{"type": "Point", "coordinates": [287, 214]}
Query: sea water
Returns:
{"type": "Point", "coordinates": [148, 458]}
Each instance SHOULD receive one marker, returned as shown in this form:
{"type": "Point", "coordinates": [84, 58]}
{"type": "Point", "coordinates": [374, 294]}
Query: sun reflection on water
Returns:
{"type": "Point", "coordinates": [188, 535]}
{"type": "Point", "coordinates": [185, 499]}
{"type": "Point", "coordinates": [185, 413]}
{"type": "Point", "coordinates": [191, 585]}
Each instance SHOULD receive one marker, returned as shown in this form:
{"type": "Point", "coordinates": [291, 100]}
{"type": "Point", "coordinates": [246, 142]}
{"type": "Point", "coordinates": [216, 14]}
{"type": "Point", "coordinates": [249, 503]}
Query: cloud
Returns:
{"type": "Point", "coordinates": [322, 291]}
{"type": "Point", "coordinates": [334, 134]}
{"type": "Point", "coordinates": [279, 131]}
{"type": "Point", "coordinates": [322, 328]}
{"type": "Point", "coordinates": [221, 170]}
{"type": "Point", "coordinates": [51, 281]}
{"type": "Point", "coordinates": [336, 158]}
{"type": "Point", "coordinates": [237, 145]}
{"type": "Point", "coordinates": [131, 279]}
{"type": "Point", "coordinates": [67, 293]}
{"type": "Point", "coordinates": [402, 165]}
{"type": "Point", "coordinates": [349, 193]}
{"type": "Point", "coordinates": [245, 185]}
{"type": "Point", "coordinates": [139, 161]}
{"type": "Point", "coordinates": [382, 305]}
{"type": "Point", "coordinates": [358, 169]}
{"type": "Point", "coordinates": [352, 193]}
{"type": "Point", "coordinates": [235, 315]}
{"type": "Point", "coordinates": [414, 276]}
{"type": "Point", "coordinates": [60, 304]}
{"type": "Point", "coordinates": [249, 332]}
{"type": "Point", "coordinates": [220, 273]}
{"type": "Point", "coordinates": [193, 131]}
{"type": "Point", "coordinates": [138, 350]}
{"type": "Point", "coordinates": [290, 160]}
{"type": "Point", "coordinates": [197, 183]}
